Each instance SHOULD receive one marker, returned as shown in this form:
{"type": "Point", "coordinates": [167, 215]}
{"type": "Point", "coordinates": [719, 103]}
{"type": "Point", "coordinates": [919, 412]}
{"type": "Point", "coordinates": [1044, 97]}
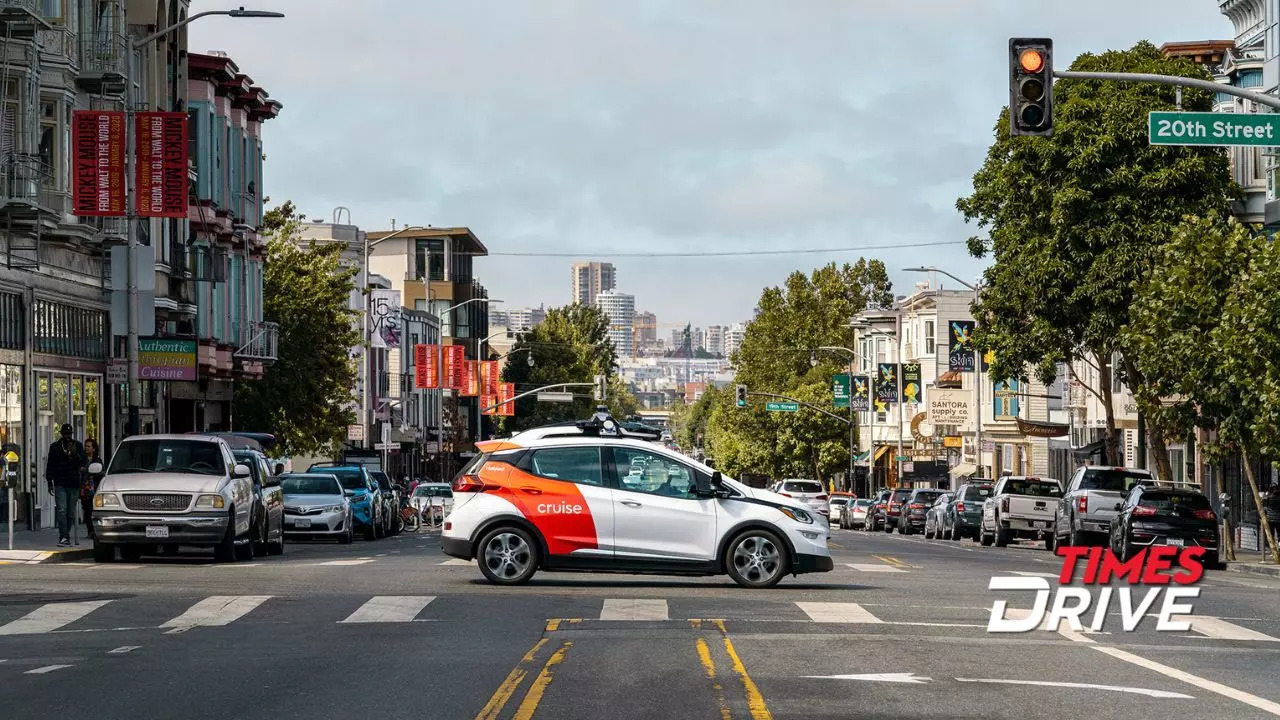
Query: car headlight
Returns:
{"type": "Point", "coordinates": [106, 500]}
{"type": "Point", "coordinates": [335, 508]}
{"type": "Point", "coordinates": [798, 515]}
{"type": "Point", "coordinates": [210, 502]}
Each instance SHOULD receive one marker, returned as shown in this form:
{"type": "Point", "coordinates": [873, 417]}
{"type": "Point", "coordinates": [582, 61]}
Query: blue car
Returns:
{"type": "Point", "coordinates": [362, 489]}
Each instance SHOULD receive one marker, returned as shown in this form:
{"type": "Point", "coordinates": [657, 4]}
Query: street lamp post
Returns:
{"type": "Point", "coordinates": [440, 369]}
{"type": "Point", "coordinates": [853, 423]}
{"type": "Point", "coordinates": [133, 426]}
{"type": "Point", "coordinates": [366, 400]}
{"type": "Point", "coordinates": [977, 365]}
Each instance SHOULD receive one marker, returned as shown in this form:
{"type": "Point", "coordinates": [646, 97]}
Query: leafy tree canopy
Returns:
{"type": "Point", "coordinates": [304, 396]}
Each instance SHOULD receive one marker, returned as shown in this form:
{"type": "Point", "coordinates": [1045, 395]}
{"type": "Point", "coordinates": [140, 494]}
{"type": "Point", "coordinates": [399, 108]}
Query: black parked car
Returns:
{"type": "Point", "coordinates": [964, 514]}
{"type": "Point", "coordinates": [391, 498]}
{"type": "Point", "coordinates": [914, 508]}
{"type": "Point", "coordinates": [1165, 516]}
{"type": "Point", "coordinates": [266, 530]}
{"type": "Point", "coordinates": [876, 513]}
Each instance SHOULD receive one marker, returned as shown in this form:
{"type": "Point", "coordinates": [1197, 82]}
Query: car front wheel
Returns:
{"type": "Point", "coordinates": [507, 556]}
{"type": "Point", "coordinates": [756, 559]}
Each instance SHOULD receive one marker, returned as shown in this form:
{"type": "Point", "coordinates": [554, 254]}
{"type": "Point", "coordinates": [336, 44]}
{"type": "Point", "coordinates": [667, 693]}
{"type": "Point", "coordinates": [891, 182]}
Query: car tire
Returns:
{"type": "Point", "coordinates": [983, 538]}
{"type": "Point", "coordinates": [103, 552]}
{"type": "Point", "coordinates": [1212, 561]}
{"type": "Point", "coordinates": [507, 556]}
{"type": "Point", "coordinates": [277, 547]}
{"type": "Point", "coordinates": [955, 533]}
{"type": "Point", "coordinates": [887, 527]}
{"type": "Point", "coordinates": [1075, 538]}
{"type": "Point", "coordinates": [225, 551]}
{"type": "Point", "coordinates": [371, 531]}
{"type": "Point", "coordinates": [756, 559]}
{"type": "Point", "coordinates": [245, 550]}
{"type": "Point", "coordinates": [130, 553]}
{"type": "Point", "coordinates": [258, 548]}
{"type": "Point", "coordinates": [347, 537]}
{"type": "Point", "coordinates": [1002, 535]}
{"type": "Point", "coordinates": [928, 533]}
{"type": "Point", "coordinates": [1050, 541]}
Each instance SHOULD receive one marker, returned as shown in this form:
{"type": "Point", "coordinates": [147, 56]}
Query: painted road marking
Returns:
{"type": "Point", "coordinates": [1033, 574]}
{"type": "Point", "coordinates": [45, 669]}
{"type": "Point", "coordinates": [215, 611]}
{"type": "Point", "coordinates": [1186, 677]}
{"type": "Point", "coordinates": [123, 649]}
{"type": "Point", "coordinates": [538, 687]}
{"type": "Point", "coordinates": [876, 677]}
{"type": "Point", "coordinates": [835, 612]}
{"type": "Point", "coordinates": [1086, 686]}
{"type": "Point", "coordinates": [387, 608]}
{"type": "Point", "coordinates": [755, 700]}
{"type": "Point", "coordinates": [890, 560]}
{"type": "Point", "coordinates": [709, 666]}
{"type": "Point", "coordinates": [633, 609]}
{"type": "Point", "coordinates": [1220, 629]}
{"type": "Point", "coordinates": [358, 561]}
{"type": "Point", "coordinates": [48, 618]}
{"type": "Point", "coordinates": [499, 699]}
{"type": "Point", "coordinates": [874, 568]}
{"type": "Point", "coordinates": [456, 561]}
{"type": "Point", "coordinates": [1064, 627]}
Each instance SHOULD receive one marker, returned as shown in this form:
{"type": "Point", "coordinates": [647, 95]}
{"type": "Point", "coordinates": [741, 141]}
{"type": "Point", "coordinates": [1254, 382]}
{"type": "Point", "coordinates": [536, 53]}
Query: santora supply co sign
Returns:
{"type": "Point", "coordinates": [949, 408]}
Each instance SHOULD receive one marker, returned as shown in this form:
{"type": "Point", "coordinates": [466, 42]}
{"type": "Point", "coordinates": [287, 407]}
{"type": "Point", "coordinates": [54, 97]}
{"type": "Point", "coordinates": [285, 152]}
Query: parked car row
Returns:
{"type": "Point", "coordinates": [1121, 508]}
{"type": "Point", "coordinates": [371, 500]}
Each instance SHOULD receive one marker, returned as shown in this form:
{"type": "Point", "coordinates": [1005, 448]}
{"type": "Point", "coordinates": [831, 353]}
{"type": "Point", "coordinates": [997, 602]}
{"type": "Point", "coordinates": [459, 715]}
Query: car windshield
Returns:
{"type": "Point", "coordinates": [350, 479]}
{"type": "Point", "coordinates": [862, 503]}
{"type": "Point", "coordinates": [928, 497]}
{"type": "Point", "coordinates": [1166, 503]}
{"type": "Point", "coordinates": [899, 495]}
{"type": "Point", "coordinates": [310, 485]}
{"type": "Point", "coordinates": [977, 492]}
{"type": "Point", "coordinates": [432, 491]}
{"type": "Point", "coordinates": [802, 486]}
{"type": "Point", "coordinates": [1117, 480]}
{"type": "Point", "coordinates": [838, 501]}
{"type": "Point", "coordinates": [1036, 488]}
{"type": "Point", "coordinates": [195, 457]}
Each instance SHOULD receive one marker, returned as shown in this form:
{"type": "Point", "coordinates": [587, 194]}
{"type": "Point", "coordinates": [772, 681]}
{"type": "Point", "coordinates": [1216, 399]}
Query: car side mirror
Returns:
{"type": "Point", "coordinates": [1118, 507]}
{"type": "Point", "coordinates": [242, 470]}
{"type": "Point", "coordinates": [270, 481]}
{"type": "Point", "coordinates": [95, 468]}
{"type": "Point", "coordinates": [703, 485]}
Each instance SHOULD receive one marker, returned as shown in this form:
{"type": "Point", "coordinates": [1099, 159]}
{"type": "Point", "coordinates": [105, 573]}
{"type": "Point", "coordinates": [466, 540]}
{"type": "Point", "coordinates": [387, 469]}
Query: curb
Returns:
{"type": "Point", "coordinates": [1266, 570]}
{"type": "Point", "coordinates": [37, 557]}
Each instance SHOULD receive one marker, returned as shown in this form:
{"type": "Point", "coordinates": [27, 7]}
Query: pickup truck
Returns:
{"type": "Point", "coordinates": [1084, 513]}
{"type": "Point", "coordinates": [1019, 507]}
{"type": "Point", "coordinates": [163, 491]}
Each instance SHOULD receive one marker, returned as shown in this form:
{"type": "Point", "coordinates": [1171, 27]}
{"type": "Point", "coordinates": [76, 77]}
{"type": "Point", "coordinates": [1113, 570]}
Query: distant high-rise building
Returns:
{"type": "Point", "coordinates": [677, 338]}
{"type": "Point", "coordinates": [644, 330]}
{"type": "Point", "coordinates": [620, 308]}
{"type": "Point", "coordinates": [699, 338]}
{"type": "Point", "coordinates": [592, 278]}
{"type": "Point", "coordinates": [522, 319]}
{"type": "Point", "coordinates": [715, 340]}
{"type": "Point", "coordinates": [733, 338]}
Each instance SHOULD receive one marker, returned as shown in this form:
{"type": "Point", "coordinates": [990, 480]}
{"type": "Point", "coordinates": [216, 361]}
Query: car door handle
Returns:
{"type": "Point", "coordinates": [531, 490]}
{"type": "Point", "coordinates": [631, 503]}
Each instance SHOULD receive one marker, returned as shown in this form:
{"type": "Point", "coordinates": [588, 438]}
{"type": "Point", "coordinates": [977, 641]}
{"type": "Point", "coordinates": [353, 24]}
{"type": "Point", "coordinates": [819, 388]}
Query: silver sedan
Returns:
{"type": "Point", "coordinates": [316, 507]}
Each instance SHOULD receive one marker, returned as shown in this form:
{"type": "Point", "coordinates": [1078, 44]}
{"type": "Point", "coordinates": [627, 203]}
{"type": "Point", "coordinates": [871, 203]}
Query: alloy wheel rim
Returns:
{"type": "Point", "coordinates": [507, 555]}
{"type": "Point", "coordinates": [757, 559]}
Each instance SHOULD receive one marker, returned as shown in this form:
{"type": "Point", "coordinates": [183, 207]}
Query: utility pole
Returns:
{"type": "Point", "coordinates": [853, 422]}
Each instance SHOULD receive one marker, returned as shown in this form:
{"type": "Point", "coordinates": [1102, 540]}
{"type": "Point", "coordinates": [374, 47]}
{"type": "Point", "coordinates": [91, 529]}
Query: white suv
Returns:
{"type": "Point", "coordinates": [589, 496]}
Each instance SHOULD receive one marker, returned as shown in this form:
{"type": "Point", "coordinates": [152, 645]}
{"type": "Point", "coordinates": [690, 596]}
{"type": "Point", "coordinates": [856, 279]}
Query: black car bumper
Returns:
{"type": "Point", "coordinates": [456, 547]}
{"type": "Point", "coordinates": [810, 563]}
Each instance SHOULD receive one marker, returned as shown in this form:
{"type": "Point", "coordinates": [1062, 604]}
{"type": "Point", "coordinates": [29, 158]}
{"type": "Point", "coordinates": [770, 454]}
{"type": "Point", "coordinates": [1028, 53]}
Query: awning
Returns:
{"type": "Point", "coordinates": [880, 451]}
{"type": "Point", "coordinates": [963, 470]}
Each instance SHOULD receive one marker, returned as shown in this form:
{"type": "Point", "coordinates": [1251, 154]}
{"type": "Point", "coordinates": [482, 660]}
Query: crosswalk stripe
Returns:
{"type": "Point", "coordinates": [217, 610]}
{"type": "Point", "coordinates": [45, 669]}
{"type": "Point", "coordinates": [835, 612]}
{"type": "Point", "coordinates": [875, 568]}
{"type": "Point", "coordinates": [388, 608]}
{"type": "Point", "coordinates": [359, 561]}
{"type": "Point", "coordinates": [456, 561]}
{"type": "Point", "coordinates": [1220, 629]}
{"type": "Point", "coordinates": [50, 617]}
{"type": "Point", "coordinates": [633, 609]}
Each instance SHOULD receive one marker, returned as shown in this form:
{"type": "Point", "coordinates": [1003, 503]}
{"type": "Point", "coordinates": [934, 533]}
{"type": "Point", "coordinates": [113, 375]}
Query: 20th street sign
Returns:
{"type": "Point", "coordinates": [1225, 129]}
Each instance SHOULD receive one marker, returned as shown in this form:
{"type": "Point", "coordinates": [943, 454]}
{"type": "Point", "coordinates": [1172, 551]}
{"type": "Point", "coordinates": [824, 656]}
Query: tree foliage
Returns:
{"type": "Point", "coordinates": [304, 396]}
{"type": "Point", "coordinates": [808, 312]}
{"type": "Point", "coordinates": [570, 346]}
{"type": "Point", "coordinates": [1074, 222]}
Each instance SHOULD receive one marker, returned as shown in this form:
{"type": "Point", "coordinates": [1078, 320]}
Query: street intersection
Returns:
{"type": "Point", "coordinates": [394, 628]}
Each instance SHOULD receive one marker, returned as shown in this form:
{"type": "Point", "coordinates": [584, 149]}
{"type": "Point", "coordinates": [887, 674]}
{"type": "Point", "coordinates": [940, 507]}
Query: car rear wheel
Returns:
{"type": "Point", "coordinates": [983, 537]}
{"type": "Point", "coordinates": [507, 556]}
{"type": "Point", "coordinates": [1002, 535]}
{"type": "Point", "coordinates": [276, 547]}
{"type": "Point", "coordinates": [756, 559]}
{"type": "Point", "coordinates": [103, 552]}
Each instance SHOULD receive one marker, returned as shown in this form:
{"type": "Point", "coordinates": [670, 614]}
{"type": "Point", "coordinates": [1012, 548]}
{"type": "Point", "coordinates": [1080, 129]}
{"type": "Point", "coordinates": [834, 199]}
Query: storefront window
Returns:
{"type": "Point", "coordinates": [61, 410]}
{"type": "Point", "coordinates": [11, 406]}
{"type": "Point", "coordinates": [92, 428]}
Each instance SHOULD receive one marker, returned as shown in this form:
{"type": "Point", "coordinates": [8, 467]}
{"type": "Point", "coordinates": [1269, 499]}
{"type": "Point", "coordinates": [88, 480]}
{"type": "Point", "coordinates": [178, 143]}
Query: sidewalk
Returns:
{"type": "Point", "coordinates": [1254, 563]}
{"type": "Point", "coordinates": [41, 546]}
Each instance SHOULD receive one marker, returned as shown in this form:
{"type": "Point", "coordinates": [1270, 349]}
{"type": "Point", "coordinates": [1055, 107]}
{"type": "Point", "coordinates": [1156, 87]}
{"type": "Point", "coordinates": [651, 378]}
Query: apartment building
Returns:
{"type": "Point", "coordinates": [589, 279]}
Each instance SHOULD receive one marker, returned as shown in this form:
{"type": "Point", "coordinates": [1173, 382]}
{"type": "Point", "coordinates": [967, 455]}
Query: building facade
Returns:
{"type": "Point", "coordinates": [620, 309]}
{"type": "Point", "coordinates": [715, 340]}
{"type": "Point", "coordinates": [733, 339]}
{"type": "Point", "coordinates": [589, 279]}
{"type": "Point", "coordinates": [58, 333]}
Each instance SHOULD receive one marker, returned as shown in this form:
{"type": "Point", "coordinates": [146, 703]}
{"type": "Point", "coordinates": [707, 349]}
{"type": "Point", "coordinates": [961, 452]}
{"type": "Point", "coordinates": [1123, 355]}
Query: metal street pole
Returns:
{"type": "Point", "coordinates": [853, 423]}
{"type": "Point", "coordinates": [133, 425]}
{"type": "Point", "coordinates": [366, 405]}
{"type": "Point", "coordinates": [897, 341]}
{"type": "Point", "coordinates": [440, 369]}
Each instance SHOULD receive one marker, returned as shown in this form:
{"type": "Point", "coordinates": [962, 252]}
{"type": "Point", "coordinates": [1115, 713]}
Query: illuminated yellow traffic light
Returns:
{"type": "Point", "coordinates": [1031, 86]}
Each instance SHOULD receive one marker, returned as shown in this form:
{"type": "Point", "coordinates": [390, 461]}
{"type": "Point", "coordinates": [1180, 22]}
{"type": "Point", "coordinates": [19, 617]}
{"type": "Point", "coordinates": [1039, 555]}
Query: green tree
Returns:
{"type": "Point", "coordinates": [1204, 326]}
{"type": "Point", "coordinates": [303, 396]}
{"type": "Point", "coordinates": [570, 346]}
{"type": "Point", "coordinates": [808, 312]}
{"type": "Point", "coordinates": [1074, 222]}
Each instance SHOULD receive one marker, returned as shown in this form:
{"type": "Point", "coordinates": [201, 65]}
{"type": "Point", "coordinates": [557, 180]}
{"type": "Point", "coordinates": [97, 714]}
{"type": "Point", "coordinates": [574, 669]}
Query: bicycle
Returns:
{"type": "Point", "coordinates": [412, 521]}
{"type": "Point", "coordinates": [433, 516]}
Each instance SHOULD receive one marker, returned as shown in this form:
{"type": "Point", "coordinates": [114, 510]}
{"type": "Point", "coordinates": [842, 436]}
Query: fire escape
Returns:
{"type": "Point", "coordinates": [27, 208]}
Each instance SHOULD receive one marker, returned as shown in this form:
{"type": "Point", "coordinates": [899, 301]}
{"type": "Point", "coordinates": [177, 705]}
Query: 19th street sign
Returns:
{"type": "Point", "coordinates": [1191, 128]}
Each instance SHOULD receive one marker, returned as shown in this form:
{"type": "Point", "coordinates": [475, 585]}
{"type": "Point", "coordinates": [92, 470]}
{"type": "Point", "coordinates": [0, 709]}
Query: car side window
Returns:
{"type": "Point", "coordinates": [642, 471]}
{"type": "Point", "coordinates": [579, 465]}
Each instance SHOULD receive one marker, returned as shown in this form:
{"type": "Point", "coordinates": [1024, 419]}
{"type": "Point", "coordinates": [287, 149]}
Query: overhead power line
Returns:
{"type": "Point", "coordinates": [725, 253]}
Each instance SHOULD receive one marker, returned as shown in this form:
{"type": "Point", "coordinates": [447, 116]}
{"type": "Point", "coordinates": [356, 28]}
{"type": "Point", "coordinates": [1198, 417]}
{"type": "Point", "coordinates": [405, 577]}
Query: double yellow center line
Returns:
{"type": "Point", "coordinates": [893, 561]}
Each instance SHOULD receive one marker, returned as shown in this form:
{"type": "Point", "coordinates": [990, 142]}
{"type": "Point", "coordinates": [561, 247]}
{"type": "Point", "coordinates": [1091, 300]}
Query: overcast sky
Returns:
{"type": "Point", "coordinates": [602, 126]}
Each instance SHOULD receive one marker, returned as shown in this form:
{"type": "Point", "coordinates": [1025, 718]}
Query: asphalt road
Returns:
{"type": "Point", "coordinates": [394, 629]}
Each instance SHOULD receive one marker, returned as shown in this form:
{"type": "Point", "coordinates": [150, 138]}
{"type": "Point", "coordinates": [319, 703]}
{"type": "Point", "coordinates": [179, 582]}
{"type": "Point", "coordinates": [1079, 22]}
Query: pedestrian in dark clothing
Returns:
{"type": "Point", "coordinates": [62, 473]}
{"type": "Point", "coordinates": [89, 481]}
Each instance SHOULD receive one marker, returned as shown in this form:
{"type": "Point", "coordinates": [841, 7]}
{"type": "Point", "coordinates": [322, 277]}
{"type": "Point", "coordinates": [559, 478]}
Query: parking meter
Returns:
{"type": "Point", "coordinates": [9, 470]}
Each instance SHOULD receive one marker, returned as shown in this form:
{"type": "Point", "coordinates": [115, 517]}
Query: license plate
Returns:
{"type": "Point", "coordinates": [301, 523]}
{"type": "Point", "coordinates": [157, 531]}
{"type": "Point", "coordinates": [1176, 542]}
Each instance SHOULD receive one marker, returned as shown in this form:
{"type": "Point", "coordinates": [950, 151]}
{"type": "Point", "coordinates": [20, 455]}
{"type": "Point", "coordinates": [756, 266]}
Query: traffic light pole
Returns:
{"type": "Point", "coordinates": [1268, 100]}
{"type": "Point", "coordinates": [801, 402]}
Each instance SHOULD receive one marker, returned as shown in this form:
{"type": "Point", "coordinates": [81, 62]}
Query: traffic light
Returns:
{"type": "Point", "coordinates": [601, 387]}
{"type": "Point", "coordinates": [742, 396]}
{"type": "Point", "coordinates": [1031, 86]}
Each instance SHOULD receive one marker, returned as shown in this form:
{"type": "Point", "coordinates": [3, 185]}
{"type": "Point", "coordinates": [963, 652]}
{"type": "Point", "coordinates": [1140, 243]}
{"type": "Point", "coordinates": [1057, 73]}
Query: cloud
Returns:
{"type": "Point", "coordinates": [662, 125]}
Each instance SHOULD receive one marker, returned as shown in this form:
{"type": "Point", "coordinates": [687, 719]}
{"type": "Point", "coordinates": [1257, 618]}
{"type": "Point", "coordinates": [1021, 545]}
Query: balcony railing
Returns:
{"type": "Point", "coordinates": [57, 43]}
{"type": "Point", "coordinates": [257, 340]}
{"type": "Point", "coordinates": [25, 180]}
{"type": "Point", "coordinates": [104, 60]}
